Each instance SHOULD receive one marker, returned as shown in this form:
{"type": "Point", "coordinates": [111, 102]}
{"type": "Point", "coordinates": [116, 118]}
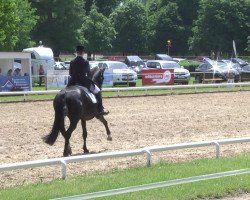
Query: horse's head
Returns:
{"type": "Point", "coordinates": [98, 75]}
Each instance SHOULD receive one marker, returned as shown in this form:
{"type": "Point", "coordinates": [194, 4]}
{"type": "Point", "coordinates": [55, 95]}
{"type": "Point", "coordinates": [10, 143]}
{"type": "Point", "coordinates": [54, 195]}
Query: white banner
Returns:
{"type": "Point", "coordinates": [57, 78]}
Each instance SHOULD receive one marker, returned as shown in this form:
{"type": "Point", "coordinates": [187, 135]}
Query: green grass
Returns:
{"type": "Point", "coordinates": [145, 175]}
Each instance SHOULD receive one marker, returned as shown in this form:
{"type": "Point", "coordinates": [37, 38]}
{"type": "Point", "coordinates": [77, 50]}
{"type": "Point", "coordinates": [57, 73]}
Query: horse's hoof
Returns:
{"type": "Point", "coordinates": [109, 138]}
{"type": "Point", "coordinates": [86, 151]}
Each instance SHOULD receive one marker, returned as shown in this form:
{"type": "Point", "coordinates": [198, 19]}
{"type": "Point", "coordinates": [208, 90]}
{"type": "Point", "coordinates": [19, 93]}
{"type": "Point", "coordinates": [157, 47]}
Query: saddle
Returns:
{"type": "Point", "coordinates": [90, 94]}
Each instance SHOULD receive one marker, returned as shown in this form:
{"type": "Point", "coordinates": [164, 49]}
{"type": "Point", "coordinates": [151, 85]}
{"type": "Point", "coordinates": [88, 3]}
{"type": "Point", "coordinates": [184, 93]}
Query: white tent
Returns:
{"type": "Point", "coordinates": [13, 60]}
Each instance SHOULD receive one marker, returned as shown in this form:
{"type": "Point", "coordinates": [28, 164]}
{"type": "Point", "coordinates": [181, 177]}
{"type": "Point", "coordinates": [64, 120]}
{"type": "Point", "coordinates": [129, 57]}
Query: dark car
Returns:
{"type": "Point", "coordinates": [163, 57]}
{"type": "Point", "coordinates": [241, 62]}
{"type": "Point", "coordinates": [136, 64]}
{"type": "Point", "coordinates": [245, 73]}
{"type": "Point", "coordinates": [215, 70]}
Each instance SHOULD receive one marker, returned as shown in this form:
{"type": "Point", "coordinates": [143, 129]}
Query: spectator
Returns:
{"type": "Point", "coordinates": [9, 73]}
{"type": "Point", "coordinates": [41, 74]}
{"type": "Point", "coordinates": [17, 72]}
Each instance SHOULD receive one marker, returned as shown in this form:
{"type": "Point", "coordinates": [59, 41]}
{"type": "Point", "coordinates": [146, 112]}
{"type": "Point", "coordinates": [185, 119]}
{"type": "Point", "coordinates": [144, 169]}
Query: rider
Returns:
{"type": "Point", "coordinates": [79, 71]}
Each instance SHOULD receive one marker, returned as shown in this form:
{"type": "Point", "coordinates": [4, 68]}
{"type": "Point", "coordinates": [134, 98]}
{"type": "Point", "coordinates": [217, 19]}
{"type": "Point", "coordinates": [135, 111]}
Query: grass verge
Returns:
{"type": "Point", "coordinates": [143, 175]}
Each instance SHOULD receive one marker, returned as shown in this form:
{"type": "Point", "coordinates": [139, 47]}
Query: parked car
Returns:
{"type": "Point", "coordinates": [121, 73]}
{"type": "Point", "coordinates": [181, 75]}
{"type": "Point", "coordinates": [136, 64]}
{"type": "Point", "coordinates": [245, 73]}
{"type": "Point", "coordinates": [93, 64]}
{"type": "Point", "coordinates": [178, 60]}
{"type": "Point", "coordinates": [59, 66]}
{"type": "Point", "coordinates": [217, 70]}
{"type": "Point", "coordinates": [67, 63]}
{"type": "Point", "coordinates": [232, 65]}
{"type": "Point", "coordinates": [163, 57]}
{"type": "Point", "coordinates": [239, 61]}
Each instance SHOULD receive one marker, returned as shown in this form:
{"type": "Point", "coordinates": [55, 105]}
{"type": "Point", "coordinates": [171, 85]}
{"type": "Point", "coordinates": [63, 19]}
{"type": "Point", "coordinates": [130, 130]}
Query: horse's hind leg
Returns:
{"type": "Point", "coordinates": [84, 135]}
{"type": "Point", "coordinates": [67, 134]}
{"type": "Point", "coordinates": [105, 123]}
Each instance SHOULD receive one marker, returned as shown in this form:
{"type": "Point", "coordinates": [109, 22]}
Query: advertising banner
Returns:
{"type": "Point", "coordinates": [60, 78]}
{"type": "Point", "coordinates": [14, 83]}
{"type": "Point", "coordinates": [158, 77]}
{"type": "Point", "coordinates": [57, 78]}
{"type": "Point", "coordinates": [108, 78]}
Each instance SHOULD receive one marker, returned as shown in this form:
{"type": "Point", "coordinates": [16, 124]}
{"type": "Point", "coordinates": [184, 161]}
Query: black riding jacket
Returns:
{"type": "Point", "coordinates": [79, 71]}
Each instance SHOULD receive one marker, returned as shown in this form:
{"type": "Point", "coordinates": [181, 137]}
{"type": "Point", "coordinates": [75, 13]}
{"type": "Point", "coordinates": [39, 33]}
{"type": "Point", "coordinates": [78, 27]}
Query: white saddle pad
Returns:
{"type": "Point", "coordinates": [91, 95]}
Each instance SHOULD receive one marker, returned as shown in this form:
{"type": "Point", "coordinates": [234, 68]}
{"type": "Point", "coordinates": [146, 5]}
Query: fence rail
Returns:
{"type": "Point", "coordinates": [149, 186]}
{"type": "Point", "coordinates": [143, 151]}
{"type": "Point", "coordinates": [144, 88]}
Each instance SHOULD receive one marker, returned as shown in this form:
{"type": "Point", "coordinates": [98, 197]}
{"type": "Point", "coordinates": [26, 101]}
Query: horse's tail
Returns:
{"type": "Point", "coordinates": [61, 111]}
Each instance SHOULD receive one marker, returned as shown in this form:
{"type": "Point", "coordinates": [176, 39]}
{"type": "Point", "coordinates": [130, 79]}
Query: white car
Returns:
{"type": "Point", "coordinates": [181, 75]}
{"type": "Point", "coordinates": [67, 64]}
{"type": "Point", "coordinates": [122, 75]}
{"type": "Point", "coordinates": [93, 64]}
{"type": "Point", "coordinates": [60, 66]}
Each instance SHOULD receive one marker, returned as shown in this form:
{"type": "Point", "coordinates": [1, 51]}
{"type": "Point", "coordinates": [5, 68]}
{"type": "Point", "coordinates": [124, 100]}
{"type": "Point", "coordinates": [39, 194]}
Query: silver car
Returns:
{"type": "Point", "coordinates": [122, 75]}
{"type": "Point", "coordinates": [181, 75]}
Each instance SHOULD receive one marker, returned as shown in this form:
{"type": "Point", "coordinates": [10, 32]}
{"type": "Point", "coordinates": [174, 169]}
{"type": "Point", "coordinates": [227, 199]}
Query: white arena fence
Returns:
{"type": "Point", "coordinates": [195, 87]}
{"type": "Point", "coordinates": [156, 185]}
{"type": "Point", "coordinates": [63, 161]}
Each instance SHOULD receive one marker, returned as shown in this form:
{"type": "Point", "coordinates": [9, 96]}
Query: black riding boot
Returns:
{"type": "Point", "coordinates": [100, 105]}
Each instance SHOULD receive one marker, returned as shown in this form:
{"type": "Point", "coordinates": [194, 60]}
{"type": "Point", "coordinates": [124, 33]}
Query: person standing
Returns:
{"type": "Point", "coordinates": [41, 74]}
{"type": "Point", "coordinates": [79, 71]}
{"type": "Point", "coordinates": [9, 73]}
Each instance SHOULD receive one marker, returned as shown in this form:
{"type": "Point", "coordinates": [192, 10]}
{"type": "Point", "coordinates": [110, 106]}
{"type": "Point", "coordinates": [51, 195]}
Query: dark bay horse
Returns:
{"type": "Point", "coordinates": [75, 103]}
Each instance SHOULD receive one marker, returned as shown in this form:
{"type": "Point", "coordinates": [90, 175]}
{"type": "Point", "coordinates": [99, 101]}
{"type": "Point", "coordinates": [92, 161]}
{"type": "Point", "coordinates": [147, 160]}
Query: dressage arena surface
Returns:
{"type": "Point", "coordinates": [135, 122]}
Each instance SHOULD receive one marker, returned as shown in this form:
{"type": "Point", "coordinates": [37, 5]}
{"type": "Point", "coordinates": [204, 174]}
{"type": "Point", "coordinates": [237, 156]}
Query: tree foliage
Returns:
{"type": "Point", "coordinates": [130, 21]}
{"type": "Point", "coordinates": [27, 22]}
{"type": "Point", "coordinates": [105, 7]}
{"type": "Point", "coordinates": [248, 44]}
{"type": "Point", "coordinates": [165, 24]}
{"type": "Point", "coordinates": [219, 23]}
{"type": "Point", "coordinates": [97, 32]}
{"type": "Point", "coordinates": [17, 19]}
{"type": "Point", "coordinates": [126, 26]}
{"type": "Point", "coordinates": [59, 24]}
{"type": "Point", "coordinates": [8, 22]}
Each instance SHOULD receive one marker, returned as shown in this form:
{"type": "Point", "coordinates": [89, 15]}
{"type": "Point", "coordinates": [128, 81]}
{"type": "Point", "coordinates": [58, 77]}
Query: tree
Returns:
{"type": "Point", "coordinates": [219, 23]}
{"type": "Point", "coordinates": [17, 19]}
{"type": "Point", "coordinates": [105, 7]}
{"type": "Point", "coordinates": [188, 11]}
{"type": "Point", "coordinates": [97, 32]}
{"type": "Point", "coordinates": [130, 22]}
{"type": "Point", "coordinates": [165, 24]}
{"type": "Point", "coordinates": [27, 22]}
{"type": "Point", "coordinates": [248, 44]}
{"type": "Point", "coordinates": [59, 24]}
{"type": "Point", "coordinates": [9, 21]}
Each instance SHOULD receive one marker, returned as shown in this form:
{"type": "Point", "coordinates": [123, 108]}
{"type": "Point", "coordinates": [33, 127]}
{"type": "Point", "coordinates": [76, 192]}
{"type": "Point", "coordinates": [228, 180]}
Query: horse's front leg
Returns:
{"type": "Point", "coordinates": [84, 135]}
{"type": "Point", "coordinates": [105, 123]}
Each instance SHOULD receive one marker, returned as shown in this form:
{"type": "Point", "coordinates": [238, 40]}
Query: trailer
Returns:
{"type": "Point", "coordinates": [40, 56]}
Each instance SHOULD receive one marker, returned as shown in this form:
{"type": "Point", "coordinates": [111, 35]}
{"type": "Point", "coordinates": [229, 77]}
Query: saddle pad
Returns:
{"type": "Point", "coordinates": [91, 95]}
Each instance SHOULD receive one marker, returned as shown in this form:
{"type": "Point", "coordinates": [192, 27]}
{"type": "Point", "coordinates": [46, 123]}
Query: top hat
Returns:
{"type": "Point", "coordinates": [79, 48]}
